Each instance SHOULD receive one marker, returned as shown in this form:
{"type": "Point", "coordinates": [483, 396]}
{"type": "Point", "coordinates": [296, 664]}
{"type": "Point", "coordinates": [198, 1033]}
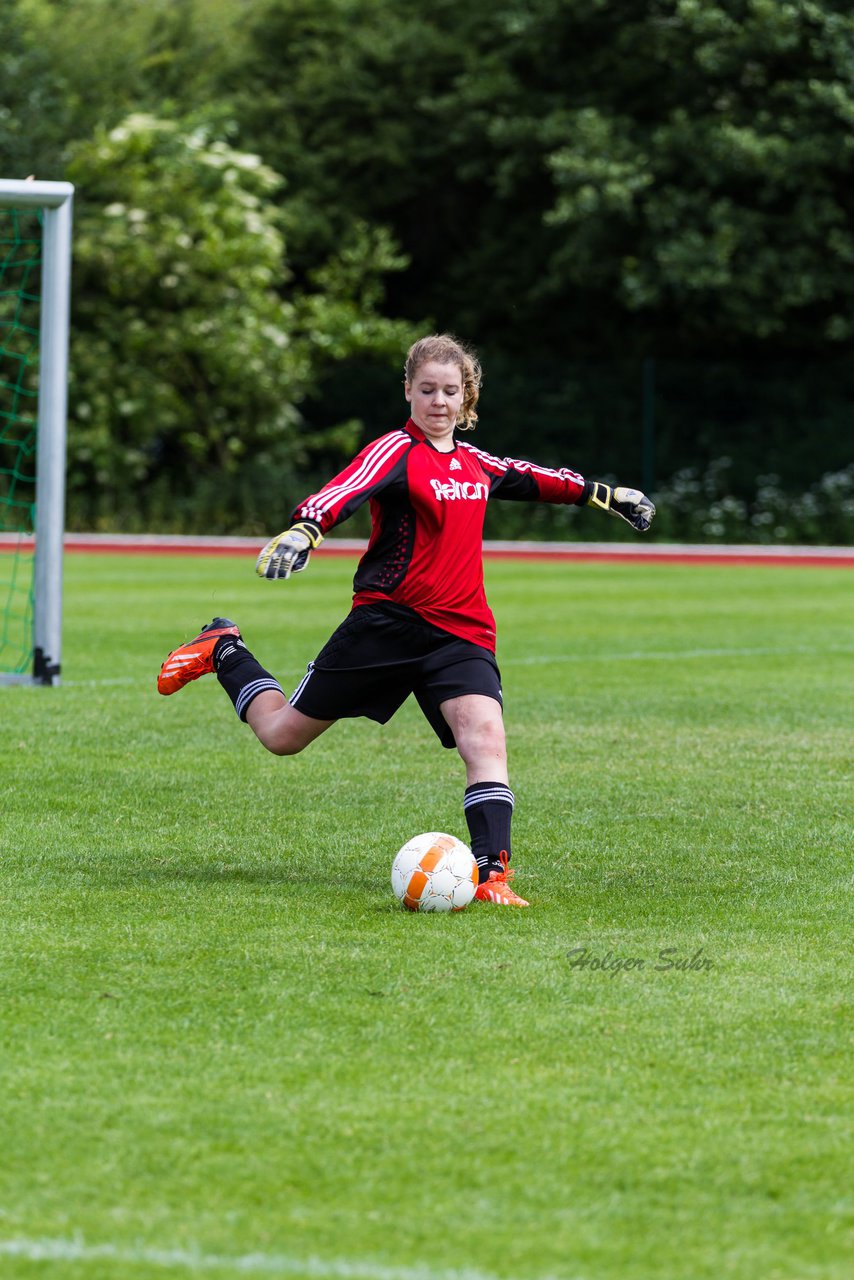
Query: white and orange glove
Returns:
{"type": "Point", "coordinates": [288, 552]}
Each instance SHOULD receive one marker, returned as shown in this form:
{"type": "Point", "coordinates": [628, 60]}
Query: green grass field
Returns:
{"type": "Point", "coordinates": [227, 1051]}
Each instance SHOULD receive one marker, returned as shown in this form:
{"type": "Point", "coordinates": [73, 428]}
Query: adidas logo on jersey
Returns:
{"type": "Point", "coordinates": [455, 465]}
{"type": "Point", "coordinates": [453, 489]}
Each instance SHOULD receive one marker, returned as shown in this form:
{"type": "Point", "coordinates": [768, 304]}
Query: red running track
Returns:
{"type": "Point", "coordinates": [590, 552]}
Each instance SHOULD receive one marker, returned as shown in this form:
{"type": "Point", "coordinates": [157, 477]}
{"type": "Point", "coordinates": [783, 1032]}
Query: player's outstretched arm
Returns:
{"type": "Point", "coordinates": [629, 504]}
{"type": "Point", "coordinates": [288, 552]}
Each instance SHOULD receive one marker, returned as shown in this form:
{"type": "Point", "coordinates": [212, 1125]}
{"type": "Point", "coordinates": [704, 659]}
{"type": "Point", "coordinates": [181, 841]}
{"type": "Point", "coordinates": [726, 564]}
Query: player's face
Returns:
{"type": "Point", "coordinates": [436, 396]}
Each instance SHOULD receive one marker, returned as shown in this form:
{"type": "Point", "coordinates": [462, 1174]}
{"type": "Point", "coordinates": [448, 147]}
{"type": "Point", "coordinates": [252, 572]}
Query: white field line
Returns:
{"type": "Point", "coordinates": [545, 659]}
{"type": "Point", "coordinates": [536, 660]}
{"type": "Point", "coordinates": [197, 1262]}
{"type": "Point", "coordinates": [679, 655]}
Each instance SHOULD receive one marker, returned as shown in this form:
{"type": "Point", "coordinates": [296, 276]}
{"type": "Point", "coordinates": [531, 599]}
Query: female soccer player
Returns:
{"type": "Point", "coordinates": [420, 622]}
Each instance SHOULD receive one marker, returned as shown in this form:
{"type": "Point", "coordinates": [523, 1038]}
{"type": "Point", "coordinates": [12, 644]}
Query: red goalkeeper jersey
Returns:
{"type": "Point", "coordinates": [427, 512]}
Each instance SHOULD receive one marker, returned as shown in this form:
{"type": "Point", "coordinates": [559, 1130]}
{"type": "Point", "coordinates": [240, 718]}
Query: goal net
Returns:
{"type": "Point", "coordinates": [35, 252]}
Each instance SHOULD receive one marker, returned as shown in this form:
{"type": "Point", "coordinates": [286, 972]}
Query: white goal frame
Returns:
{"type": "Point", "coordinates": [55, 200]}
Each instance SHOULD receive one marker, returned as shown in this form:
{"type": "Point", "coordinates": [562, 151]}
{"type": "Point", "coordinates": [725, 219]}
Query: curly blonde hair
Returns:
{"type": "Point", "coordinates": [444, 348]}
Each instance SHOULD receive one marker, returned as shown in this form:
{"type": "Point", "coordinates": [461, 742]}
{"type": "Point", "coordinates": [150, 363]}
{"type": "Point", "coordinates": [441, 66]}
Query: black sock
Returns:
{"type": "Point", "coordinates": [489, 812]}
{"type": "Point", "coordinates": [241, 674]}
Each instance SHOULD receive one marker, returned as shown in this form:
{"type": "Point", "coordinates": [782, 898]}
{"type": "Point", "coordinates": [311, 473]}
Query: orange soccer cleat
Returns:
{"type": "Point", "coordinates": [195, 658]}
{"type": "Point", "coordinates": [497, 888]}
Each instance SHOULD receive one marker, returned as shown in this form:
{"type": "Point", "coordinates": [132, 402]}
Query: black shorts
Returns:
{"type": "Point", "coordinates": [381, 654]}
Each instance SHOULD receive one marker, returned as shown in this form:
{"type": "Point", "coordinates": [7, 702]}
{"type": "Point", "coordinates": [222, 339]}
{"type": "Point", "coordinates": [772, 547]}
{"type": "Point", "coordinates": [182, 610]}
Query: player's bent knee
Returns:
{"type": "Point", "coordinates": [287, 732]}
{"type": "Point", "coordinates": [279, 746]}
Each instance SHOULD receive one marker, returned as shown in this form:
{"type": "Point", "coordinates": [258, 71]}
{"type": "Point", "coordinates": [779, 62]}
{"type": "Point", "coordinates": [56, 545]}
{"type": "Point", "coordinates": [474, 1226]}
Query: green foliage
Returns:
{"type": "Point", "coordinates": [571, 184]}
{"type": "Point", "coordinates": [341, 96]}
{"type": "Point", "coordinates": [191, 347]}
{"type": "Point", "coordinates": [707, 507]}
{"type": "Point", "coordinates": [722, 196]}
{"type": "Point", "coordinates": [577, 173]}
{"type": "Point", "coordinates": [714, 505]}
{"type": "Point", "coordinates": [563, 175]}
{"type": "Point", "coordinates": [164, 56]}
{"type": "Point", "coordinates": [34, 106]}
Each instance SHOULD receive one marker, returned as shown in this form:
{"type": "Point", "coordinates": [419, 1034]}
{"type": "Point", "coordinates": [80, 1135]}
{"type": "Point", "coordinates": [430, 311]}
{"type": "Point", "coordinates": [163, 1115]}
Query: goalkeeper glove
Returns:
{"type": "Point", "coordinates": [288, 552]}
{"type": "Point", "coordinates": [629, 504]}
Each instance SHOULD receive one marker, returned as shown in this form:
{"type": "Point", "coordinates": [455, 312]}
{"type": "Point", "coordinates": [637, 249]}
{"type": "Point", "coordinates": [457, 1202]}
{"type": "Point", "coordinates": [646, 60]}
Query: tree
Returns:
{"type": "Point", "coordinates": [66, 68]}
{"type": "Point", "coordinates": [191, 348]}
{"type": "Point", "coordinates": [578, 174]}
{"type": "Point", "coordinates": [33, 102]}
{"type": "Point", "coordinates": [712, 190]}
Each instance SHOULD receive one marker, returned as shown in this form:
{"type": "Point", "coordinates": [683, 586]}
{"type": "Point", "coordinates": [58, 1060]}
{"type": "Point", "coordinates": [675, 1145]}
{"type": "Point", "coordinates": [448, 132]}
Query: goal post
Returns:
{"type": "Point", "coordinates": [52, 203]}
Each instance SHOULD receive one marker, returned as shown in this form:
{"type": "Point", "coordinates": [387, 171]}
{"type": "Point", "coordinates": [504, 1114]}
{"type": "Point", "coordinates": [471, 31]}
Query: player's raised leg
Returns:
{"type": "Point", "coordinates": [258, 698]}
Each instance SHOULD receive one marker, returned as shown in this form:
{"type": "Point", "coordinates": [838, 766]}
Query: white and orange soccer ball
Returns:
{"type": "Point", "coordinates": [434, 872]}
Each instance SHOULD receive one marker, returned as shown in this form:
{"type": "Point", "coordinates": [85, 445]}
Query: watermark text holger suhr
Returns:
{"type": "Point", "coordinates": [668, 960]}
